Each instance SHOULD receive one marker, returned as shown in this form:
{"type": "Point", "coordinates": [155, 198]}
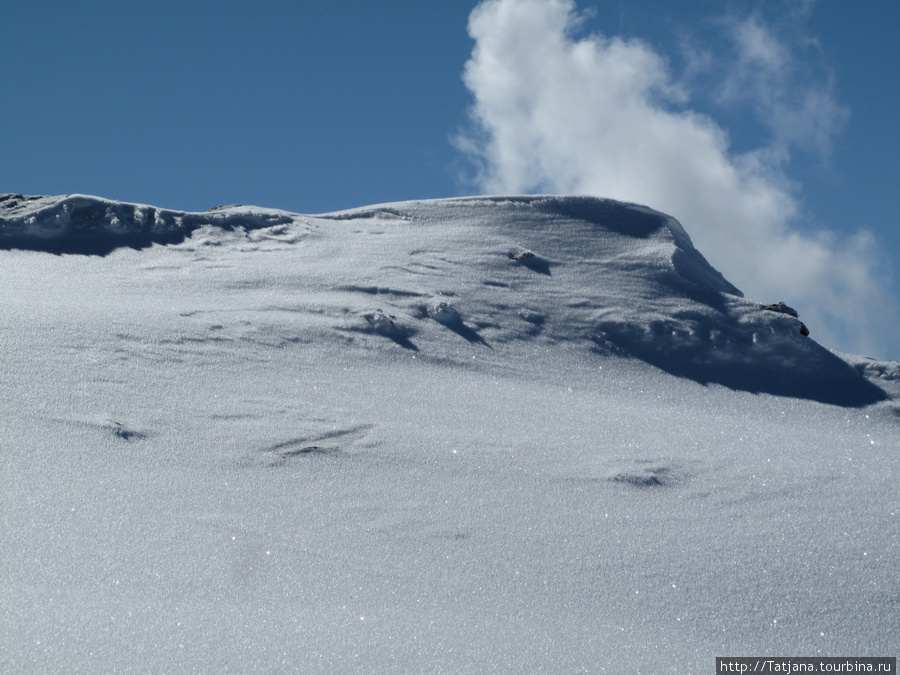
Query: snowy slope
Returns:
{"type": "Point", "coordinates": [485, 434]}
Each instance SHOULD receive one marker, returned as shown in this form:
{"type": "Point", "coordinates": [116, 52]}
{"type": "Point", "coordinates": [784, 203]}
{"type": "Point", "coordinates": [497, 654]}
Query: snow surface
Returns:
{"type": "Point", "coordinates": [506, 434]}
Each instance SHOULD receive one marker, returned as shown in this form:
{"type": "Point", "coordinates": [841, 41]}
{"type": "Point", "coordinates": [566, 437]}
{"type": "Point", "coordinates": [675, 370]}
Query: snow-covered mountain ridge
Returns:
{"type": "Point", "coordinates": [492, 434]}
{"type": "Point", "coordinates": [621, 278]}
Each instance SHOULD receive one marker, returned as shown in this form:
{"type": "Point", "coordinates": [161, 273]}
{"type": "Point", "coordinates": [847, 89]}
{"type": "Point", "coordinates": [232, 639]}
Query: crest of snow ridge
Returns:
{"type": "Point", "coordinates": [618, 278]}
{"type": "Point", "coordinates": [88, 225]}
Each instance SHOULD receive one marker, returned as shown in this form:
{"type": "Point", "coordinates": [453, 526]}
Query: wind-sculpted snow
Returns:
{"type": "Point", "coordinates": [504, 434]}
{"type": "Point", "coordinates": [616, 278]}
{"type": "Point", "coordinates": [621, 278]}
{"type": "Point", "coordinates": [90, 225]}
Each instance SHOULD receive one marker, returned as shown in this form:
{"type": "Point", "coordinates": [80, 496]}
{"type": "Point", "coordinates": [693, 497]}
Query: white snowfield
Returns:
{"type": "Point", "coordinates": [492, 434]}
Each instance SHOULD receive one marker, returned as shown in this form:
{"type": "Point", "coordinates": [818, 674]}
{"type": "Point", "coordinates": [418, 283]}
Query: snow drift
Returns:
{"type": "Point", "coordinates": [90, 225]}
{"type": "Point", "coordinates": [507, 434]}
{"type": "Point", "coordinates": [622, 278]}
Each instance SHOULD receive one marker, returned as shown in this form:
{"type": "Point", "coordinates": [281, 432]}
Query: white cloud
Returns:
{"type": "Point", "coordinates": [555, 112]}
{"type": "Point", "coordinates": [784, 90]}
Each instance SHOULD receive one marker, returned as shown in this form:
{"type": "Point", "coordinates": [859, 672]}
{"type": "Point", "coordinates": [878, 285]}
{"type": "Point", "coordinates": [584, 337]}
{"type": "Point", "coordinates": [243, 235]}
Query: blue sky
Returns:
{"type": "Point", "coordinates": [317, 106]}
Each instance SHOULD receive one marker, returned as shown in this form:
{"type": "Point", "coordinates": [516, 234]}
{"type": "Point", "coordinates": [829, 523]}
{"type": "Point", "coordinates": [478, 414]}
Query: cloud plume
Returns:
{"type": "Point", "coordinates": [557, 112]}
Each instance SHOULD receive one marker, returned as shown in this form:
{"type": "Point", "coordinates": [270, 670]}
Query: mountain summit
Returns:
{"type": "Point", "coordinates": [589, 273]}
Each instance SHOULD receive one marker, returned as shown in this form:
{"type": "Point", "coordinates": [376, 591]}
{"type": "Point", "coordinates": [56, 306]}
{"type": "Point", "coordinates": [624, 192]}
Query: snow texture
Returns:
{"type": "Point", "coordinates": [510, 434]}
